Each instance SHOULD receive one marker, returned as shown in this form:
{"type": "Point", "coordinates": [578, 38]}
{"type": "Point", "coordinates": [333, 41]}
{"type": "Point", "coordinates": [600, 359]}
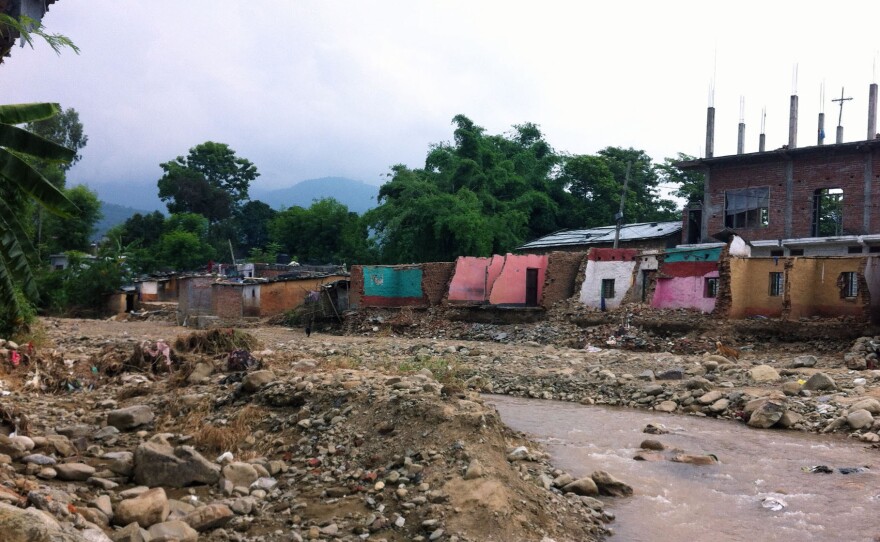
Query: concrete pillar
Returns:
{"type": "Point", "coordinates": [792, 122]}
{"type": "Point", "coordinates": [710, 132]}
{"type": "Point", "coordinates": [820, 133]}
{"type": "Point", "coordinates": [872, 111]}
{"type": "Point", "coordinates": [741, 138]}
{"type": "Point", "coordinates": [839, 139]}
{"type": "Point", "coordinates": [762, 142]}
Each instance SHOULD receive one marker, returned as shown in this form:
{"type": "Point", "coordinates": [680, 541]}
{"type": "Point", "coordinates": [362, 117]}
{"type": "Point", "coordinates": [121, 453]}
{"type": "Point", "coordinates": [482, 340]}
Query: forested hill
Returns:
{"type": "Point", "coordinates": [358, 196]}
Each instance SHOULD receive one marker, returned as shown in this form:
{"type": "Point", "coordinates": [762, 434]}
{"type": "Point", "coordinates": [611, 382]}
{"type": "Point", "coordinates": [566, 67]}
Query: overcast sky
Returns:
{"type": "Point", "coordinates": [349, 88]}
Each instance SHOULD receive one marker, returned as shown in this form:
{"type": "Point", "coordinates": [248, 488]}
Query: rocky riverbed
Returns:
{"type": "Point", "coordinates": [133, 431]}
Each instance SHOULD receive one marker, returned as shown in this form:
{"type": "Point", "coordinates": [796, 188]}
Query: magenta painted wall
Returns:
{"type": "Point", "coordinates": [510, 286]}
{"type": "Point", "coordinates": [473, 277]}
{"type": "Point", "coordinates": [683, 293]}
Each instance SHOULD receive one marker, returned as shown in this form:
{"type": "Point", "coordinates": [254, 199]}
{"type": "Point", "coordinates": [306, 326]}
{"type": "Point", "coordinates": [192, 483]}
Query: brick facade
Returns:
{"type": "Point", "coordinates": [793, 176]}
{"type": "Point", "coordinates": [561, 276]}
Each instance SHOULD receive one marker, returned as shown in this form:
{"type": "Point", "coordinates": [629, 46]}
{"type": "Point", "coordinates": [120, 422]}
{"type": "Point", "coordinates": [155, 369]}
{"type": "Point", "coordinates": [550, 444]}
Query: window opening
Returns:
{"type": "Point", "coordinates": [776, 284]}
{"type": "Point", "coordinates": [711, 288]}
{"type": "Point", "coordinates": [608, 288]}
{"type": "Point", "coordinates": [747, 208]}
{"type": "Point", "coordinates": [849, 284]}
{"type": "Point", "coordinates": [828, 212]}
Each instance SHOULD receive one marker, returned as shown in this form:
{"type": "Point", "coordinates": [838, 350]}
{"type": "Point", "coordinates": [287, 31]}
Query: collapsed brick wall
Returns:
{"type": "Point", "coordinates": [356, 289]}
{"type": "Point", "coordinates": [563, 269]}
{"type": "Point", "coordinates": [435, 281]}
{"type": "Point", "coordinates": [724, 294]}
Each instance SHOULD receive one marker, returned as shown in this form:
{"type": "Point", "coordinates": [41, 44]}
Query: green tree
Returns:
{"type": "Point", "coordinates": [211, 181]}
{"type": "Point", "coordinates": [690, 182]}
{"type": "Point", "coordinates": [477, 195]}
{"type": "Point", "coordinates": [65, 129]}
{"type": "Point", "coordinates": [74, 232]}
{"type": "Point", "coordinates": [21, 184]}
{"type": "Point", "coordinates": [142, 230]}
{"type": "Point", "coordinates": [182, 250]}
{"type": "Point", "coordinates": [643, 202]}
{"type": "Point", "coordinates": [326, 232]}
{"type": "Point", "coordinates": [252, 224]}
{"type": "Point", "coordinates": [595, 192]}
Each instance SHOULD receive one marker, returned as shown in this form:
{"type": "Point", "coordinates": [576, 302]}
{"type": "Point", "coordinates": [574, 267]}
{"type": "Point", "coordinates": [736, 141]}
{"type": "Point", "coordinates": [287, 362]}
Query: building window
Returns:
{"type": "Point", "coordinates": [796, 252]}
{"type": "Point", "coordinates": [747, 208]}
{"type": "Point", "coordinates": [827, 212]}
{"type": "Point", "coordinates": [711, 288]}
{"type": "Point", "coordinates": [849, 284]}
{"type": "Point", "coordinates": [608, 288]}
{"type": "Point", "coordinates": [776, 284]}
{"type": "Point", "coordinates": [873, 250]}
{"type": "Point", "coordinates": [854, 250]}
{"type": "Point", "coordinates": [777, 253]}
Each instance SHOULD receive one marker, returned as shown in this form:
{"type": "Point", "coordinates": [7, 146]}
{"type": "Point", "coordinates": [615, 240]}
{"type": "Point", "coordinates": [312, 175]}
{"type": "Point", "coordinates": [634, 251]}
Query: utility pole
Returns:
{"type": "Point", "coordinates": [619, 216]}
{"type": "Point", "coordinates": [840, 116]}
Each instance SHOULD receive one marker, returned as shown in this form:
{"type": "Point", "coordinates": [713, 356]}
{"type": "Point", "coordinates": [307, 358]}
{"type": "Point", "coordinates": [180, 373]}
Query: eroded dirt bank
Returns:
{"type": "Point", "coordinates": [375, 435]}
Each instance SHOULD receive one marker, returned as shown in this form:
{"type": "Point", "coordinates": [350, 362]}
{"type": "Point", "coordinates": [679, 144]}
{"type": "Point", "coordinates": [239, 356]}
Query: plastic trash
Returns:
{"type": "Point", "coordinates": [851, 470]}
{"type": "Point", "coordinates": [860, 382]}
{"type": "Point", "coordinates": [824, 469]}
{"type": "Point", "coordinates": [773, 503]}
{"type": "Point", "coordinates": [225, 456]}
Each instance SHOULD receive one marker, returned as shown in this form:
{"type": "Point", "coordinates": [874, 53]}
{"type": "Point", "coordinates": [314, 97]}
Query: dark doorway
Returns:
{"type": "Point", "coordinates": [531, 287]}
{"type": "Point", "coordinates": [695, 224]}
{"type": "Point", "coordinates": [647, 279]}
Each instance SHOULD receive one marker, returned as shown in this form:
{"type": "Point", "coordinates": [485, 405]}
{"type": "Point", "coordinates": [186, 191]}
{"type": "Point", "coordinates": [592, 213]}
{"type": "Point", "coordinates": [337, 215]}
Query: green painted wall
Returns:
{"type": "Point", "coordinates": [692, 255]}
{"type": "Point", "coordinates": [392, 282]}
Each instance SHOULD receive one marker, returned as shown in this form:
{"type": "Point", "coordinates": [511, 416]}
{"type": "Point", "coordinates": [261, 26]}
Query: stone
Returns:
{"type": "Point", "coordinates": [856, 362]}
{"type": "Point", "coordinates": [767, 414]}
{"type": "Point", "coordinates": [646, 375]}
{"type": "Point", "coordinates": [13, 448]}
{"type": "Point", "coordinates": [146, 509]}
{"type": "Point", "coordinates": [206, 518]}
{"type": "Point", "coordinates": [74, 472]}
{"type": "Point", "coordinates": [474, 470]}
{"type": "Point", "coordinates": [719, 406]}
{"type": "Point", "coordinates": [763, 373]}
{"type": "Point", "coordinates": [651, 444]}
{"type": "Point", "coordinates": [240, 474]}
{"type": "Point", "coordinates": [520, 453]}
{"type": "Point", "coordinates": [173, 531]}
{"type": "Point", "coordinates": [256, 380]}
{"type": "Point", "coordinates": [131, 417]}
{"type": "Point", "coordinates": [23, 441]}
{"type": "Point", "coordinates": [803, 361]}
{"type": "Point", "coordinates": [791, 388]}
{"type": "Point", "coordinates": [562, 480]}
{"type": "Point", "coordinates": [676, 373]}
{"type": "Point", "coordinates": [819, 382]}
{"type": "Point", "coordinates": [860, 419]}
{"type": "Point", "coordinates": [870, 404]}
{"type": "Point", "coordinates": [94, 535]}
{"type": "Point", "coordinates": [609, 485]}
{"type": "Point", "coordinates": [39, 459]}
{"type": "Point", "coordinates": [157, 463]}
{"type": "Point", "coordinates": [709, 398]}
{"type": "Point", "coordinates": [583, 486]}
{"type": "Point", "coordinates": [104, 504]}
{"type": "Point", "coordinates": [31, 525]}
{"type": "Point", "coordinates": [666, 406]}
{"type": "Point", "coordinates": [61, 445]}
{"type": "Point", "coordinates": [789, 419]}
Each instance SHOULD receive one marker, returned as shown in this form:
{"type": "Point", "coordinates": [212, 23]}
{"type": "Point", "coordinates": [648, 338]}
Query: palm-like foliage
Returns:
{"type": "Point", "coordinates": [19, 182]}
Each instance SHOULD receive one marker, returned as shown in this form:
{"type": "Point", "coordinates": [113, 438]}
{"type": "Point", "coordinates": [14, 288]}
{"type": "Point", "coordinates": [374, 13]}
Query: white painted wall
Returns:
{"type": "Point", "coordinates": [595, 272]}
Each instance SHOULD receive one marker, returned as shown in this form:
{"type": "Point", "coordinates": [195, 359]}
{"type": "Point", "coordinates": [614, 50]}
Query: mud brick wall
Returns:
{"type": "Point", "coordinates": [227, 302]}
{"type": "Point", "coordinates": [561, 276]}
{"type": "Point", "coordinates": [724, 295]}
{"type": "Point", "coordinates": [356, 288]}
{"type": "Point", "coordinates": [435, 281]}
{"type": "Point", "coordinates": [194, 296]}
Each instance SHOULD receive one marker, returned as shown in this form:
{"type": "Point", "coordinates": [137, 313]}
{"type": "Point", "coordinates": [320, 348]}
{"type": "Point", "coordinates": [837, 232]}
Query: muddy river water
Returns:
{"type": "Point", "coordinates": [676, 502]}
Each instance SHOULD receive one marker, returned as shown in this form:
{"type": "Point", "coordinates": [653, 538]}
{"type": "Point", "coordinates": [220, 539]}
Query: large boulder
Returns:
{"type": "Point", "coordinates": [256, 380]}
{"type": "Point", "coordinates": [766, 415]}
{"type": "Point", "coordinates": [820, 382]}
{"type": "Point", "coordinates": [609, 485]}
{"type": "Point", "coordinates": [869, 403]}
{"type": "Point", "coordinates": [240, 474]}
{"type": "Point", "coordinates": [31, 525]}
{"type": "Point", "coordinates": [583, 486]}
{"type": "Point", "coordinates": [131, 417]}
{"type": "Point", "coordinates": [860, 419]}
{"type": "Point", "coordinates": [157, 463]}
{"type": "Point", "coordinates": [74, 472]}
{"type": "Point", "coordinates": [763, 373]}
{"type": "Point", "coordinates": [209, 517]}
{"type": "Point", "coordinates": [173, 531]}
{"type": "Point", "coordinates": [148, 508]}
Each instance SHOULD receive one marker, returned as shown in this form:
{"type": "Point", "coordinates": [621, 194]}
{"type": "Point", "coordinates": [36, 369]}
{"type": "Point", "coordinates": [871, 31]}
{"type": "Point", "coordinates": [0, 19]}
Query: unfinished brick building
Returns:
{"type": "Point", "coordinates": [810, 201]}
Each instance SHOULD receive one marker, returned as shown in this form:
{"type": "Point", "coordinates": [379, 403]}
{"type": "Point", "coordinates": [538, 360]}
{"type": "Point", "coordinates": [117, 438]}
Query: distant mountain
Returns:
{"type": "Point", "coordinates": [113, 215]}
{"type": "Point", "coordinates": [358, 196]}
{"type": "Point", "coordinates": [143, 194]}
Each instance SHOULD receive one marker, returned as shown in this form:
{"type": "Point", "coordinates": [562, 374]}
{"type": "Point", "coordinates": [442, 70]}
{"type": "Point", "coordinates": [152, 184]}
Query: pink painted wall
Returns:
{"type": "Point", "coordinates": [473, 277]}
{"type": "Point", "coordinates": [510, 286]}
{"type": "Point", "coordinates": [683, 293]}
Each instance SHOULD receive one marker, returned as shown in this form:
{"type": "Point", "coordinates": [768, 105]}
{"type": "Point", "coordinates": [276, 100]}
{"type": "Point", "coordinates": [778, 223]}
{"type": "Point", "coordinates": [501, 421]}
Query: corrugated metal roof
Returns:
{"type": "Point", "coordinates": [605, 234]}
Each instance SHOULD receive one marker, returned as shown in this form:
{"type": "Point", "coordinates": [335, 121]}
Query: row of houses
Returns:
{"type": "Point", "coordinates": [705, 278]}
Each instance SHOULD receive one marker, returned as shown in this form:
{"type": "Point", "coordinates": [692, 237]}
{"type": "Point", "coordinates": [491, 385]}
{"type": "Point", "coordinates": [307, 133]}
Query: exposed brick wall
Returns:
{"type": "Point", "coordinates": [356, 289]}
{"type": "Point", "coordinates": [227, 301]}
{"type": "Point", "coordinates": [825, 167]}
{"type": "Point", "coordinates": [561, 275]}
{"type": "Point", "coordinates": [435, 281]}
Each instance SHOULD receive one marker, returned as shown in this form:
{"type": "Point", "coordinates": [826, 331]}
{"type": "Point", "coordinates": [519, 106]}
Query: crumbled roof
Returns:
{"type": "Point", "coordinates": [605, 234]}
